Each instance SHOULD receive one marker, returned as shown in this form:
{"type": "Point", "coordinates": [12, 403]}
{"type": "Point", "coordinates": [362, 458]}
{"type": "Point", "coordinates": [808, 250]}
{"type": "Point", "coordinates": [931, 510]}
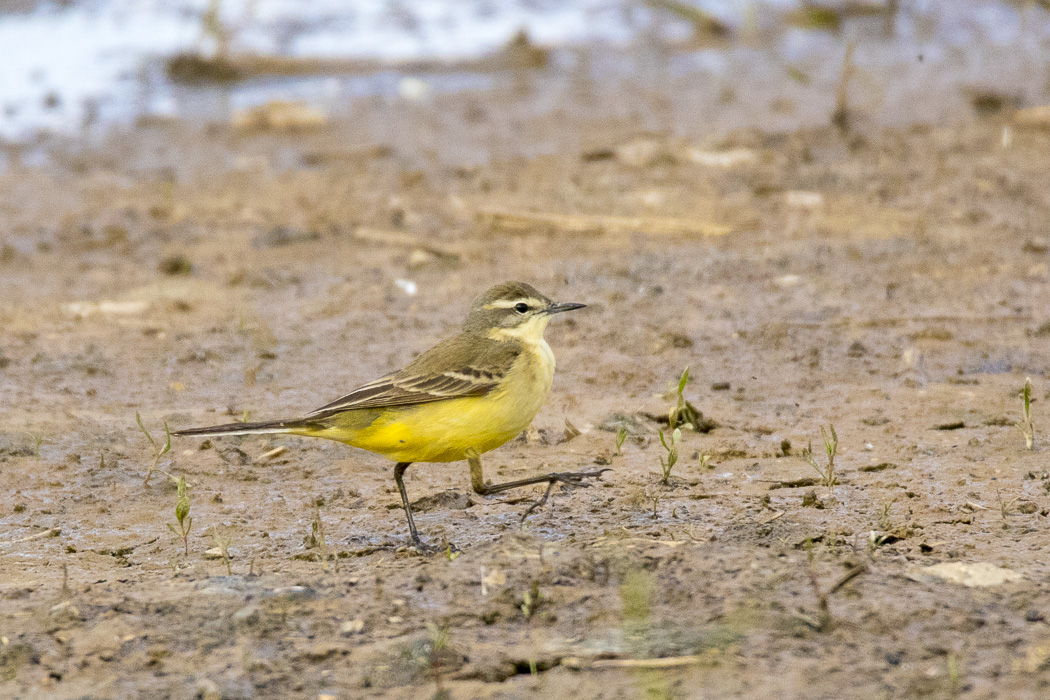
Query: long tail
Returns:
{"type": "Point", "coordinates": [277, 426]}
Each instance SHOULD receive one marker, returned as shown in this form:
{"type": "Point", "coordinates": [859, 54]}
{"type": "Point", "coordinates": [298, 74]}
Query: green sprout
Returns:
{"type": "Point", "coordinates": [1026, 426]}
{"type": "Point", "coordinates": [531, 600]}
{"type": "Point", "coordinates": [621, 437]}
{"type": "Point", "coordinates": [675, 415]}
{"type": "Point", "coordinates": [158, 450]}
{"type": "Point", "coordinates": [672, 454]}
{"type": "Point", "coordinates": [831, 447]}
{"type": "Point", "coordinates": [182, 515]}
{"type": "Point", "coordinates": [223, 545]}
{"type": "Point", "coordinates": [38, 440]}
{"type": "Point", "coordinates": [437, 657]}
{"type": "Point", "coordinates": [653, 496]}
{"type": "Point", "coordinates": [683, 413]}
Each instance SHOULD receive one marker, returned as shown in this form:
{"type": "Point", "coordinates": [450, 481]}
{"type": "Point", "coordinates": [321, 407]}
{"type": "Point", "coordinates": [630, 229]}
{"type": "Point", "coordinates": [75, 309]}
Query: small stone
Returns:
{"type": "Point", "coordinates": [1035, 245]}
{"type": "Point", "coordinates": [324, 650]}
{"type": "Point", "coordinates": [175, 265]}
{"type": "Point", "coordinates": [810, 500]}
{"type": "Point", "coordinates": [248, 615]}
{"type": "Point", "coordinates": [207, 690]}
{"type": "Point", "coordinates": [294, 593]}
{"type": "Point", "coordinates": [1034, 615]}
{"type": "Point", "coordinates": [395, 619]}
{"type": "Point", "coordinates": [214, 553]}
{"type": "Point", "coordinates": [222, 585]}
{"type": "Point", "coordinates": [352, 627]}
{"type": "Point", "coordinates": [420, 258]}
{"type": "Point", "coordinates": [65, 611]}
{"type": "Point", "coordinates": [615, 421]}
{"type": "Point", "coordinates": [800, 199]}
{"type": "Point", "coordinates": [1038, 116]}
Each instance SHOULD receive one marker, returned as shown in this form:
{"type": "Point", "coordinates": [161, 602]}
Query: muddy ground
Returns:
{"type": "Point", "coordinates": [891, 283]}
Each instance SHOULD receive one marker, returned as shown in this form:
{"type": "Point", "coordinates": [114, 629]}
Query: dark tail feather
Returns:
{"type": "Point", "coordinates": [277, 426]}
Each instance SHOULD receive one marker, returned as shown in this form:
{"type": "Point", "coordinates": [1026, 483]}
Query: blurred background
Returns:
{"type": "Point", "coordinates": [77, 69]}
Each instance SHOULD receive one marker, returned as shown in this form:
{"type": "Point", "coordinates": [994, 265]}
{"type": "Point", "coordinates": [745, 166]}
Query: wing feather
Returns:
{"type": "Point", "coordinates": [458, 367]}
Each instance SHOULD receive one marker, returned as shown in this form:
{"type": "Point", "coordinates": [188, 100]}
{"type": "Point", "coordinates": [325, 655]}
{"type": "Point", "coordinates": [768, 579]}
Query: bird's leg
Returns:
{"type": "Point", "coordinates": [399, 473]}
{"type": "Point", "coordinates": [477, 478]}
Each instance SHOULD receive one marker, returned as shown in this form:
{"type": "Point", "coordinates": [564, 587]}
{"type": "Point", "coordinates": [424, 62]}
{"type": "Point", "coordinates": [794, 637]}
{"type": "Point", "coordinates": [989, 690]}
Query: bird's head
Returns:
{"type": "Point", "coordinates": [513, 309]}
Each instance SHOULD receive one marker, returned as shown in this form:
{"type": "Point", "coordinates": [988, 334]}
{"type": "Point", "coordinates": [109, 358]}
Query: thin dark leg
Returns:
{"type": "Point", "coordinates": [477, 478]}
{"type": "Point", "coordinates": [399, 473]}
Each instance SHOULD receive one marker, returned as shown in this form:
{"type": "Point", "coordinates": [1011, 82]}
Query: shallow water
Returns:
{"type": "Point", "coordinates": [80, 68]}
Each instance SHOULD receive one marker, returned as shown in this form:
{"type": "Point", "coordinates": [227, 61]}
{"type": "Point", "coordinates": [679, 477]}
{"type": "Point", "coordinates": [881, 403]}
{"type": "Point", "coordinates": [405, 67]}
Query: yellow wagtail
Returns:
{"type": "Point", "coordinates": [466, 395]}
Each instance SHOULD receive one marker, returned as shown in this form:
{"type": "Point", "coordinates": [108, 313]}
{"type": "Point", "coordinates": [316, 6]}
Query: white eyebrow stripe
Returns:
{"type": "Point", "coordinates": [511, 303]}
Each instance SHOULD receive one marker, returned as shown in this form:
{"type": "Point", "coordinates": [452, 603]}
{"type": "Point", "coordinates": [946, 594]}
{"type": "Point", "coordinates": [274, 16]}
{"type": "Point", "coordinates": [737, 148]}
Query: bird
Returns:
{"type": "Point", "coordinates": [465, 396]}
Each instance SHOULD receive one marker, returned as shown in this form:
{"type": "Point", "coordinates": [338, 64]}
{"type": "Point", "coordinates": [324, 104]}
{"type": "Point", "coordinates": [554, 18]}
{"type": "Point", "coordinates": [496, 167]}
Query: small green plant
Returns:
{"type": "Point", "coordinates": [438, 657]}
{"type": "Point", "coordinates": [884, 517]}
{"type": "Point", "coordinates": [223, 545]}
{"type": "Point", "coordinates": [672, 454]}
{"type": "Point", "coordinates": [831, 447]}
{"type": "Point", "coordinates": [653, 496]}
{"type": "Point", "coordinates": [158, 450]}
{"type": "Point", "coordinates": [182, 515]}
{"type": "Point", "coordinates": [636, 592]}
{"type": "Point", "coordinates": [531, 600]}
{"type": "Point", "coordinates": [450, 553]}
{"type": "Point", "coordinates": [621, 437]}
{"type": "Point", "coordinates": [954, 675]}
{"type": "Point", "coordinates": [38, 440]}
{"type": "Point", "coordinates": [1026, 426]}
{"type": "Point", "coordinates": [1005, 506]}
{"type": "Point", "coordinates": [676, 416]}
{"type": "Point", "coordinates": [705, 462]}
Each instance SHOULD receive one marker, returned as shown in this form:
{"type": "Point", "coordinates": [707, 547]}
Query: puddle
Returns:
{"type": "Point", "coordinates": [81, 68]}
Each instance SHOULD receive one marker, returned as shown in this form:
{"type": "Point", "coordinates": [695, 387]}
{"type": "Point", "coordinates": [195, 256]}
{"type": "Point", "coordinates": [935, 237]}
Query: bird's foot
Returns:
{"type": "Point", "coordinates": [569, 479]}
{"type": "Point", "coordinates": [450, 550]}
{"type": "Point", "coordinates": [572, 479]}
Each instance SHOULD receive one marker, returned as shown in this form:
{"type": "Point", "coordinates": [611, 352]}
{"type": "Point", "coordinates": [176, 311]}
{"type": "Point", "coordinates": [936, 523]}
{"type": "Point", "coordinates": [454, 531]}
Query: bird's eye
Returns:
{"type": "Point", "coordinates": [521, 307]}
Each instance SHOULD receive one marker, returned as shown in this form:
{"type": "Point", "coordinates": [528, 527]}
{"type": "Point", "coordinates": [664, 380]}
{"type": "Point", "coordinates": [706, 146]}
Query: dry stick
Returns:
{"type": "Point", "coordinates": [397, 238]}
{"type": "Point", "coordinates": [582, 664]}
{"type": "Point", "coordinates": [889, 321]}
{"type": "Point", "coordinates": [841, 117]}
{"type": "Point", "coordinates": [847, 577]}
{"type": "Point", "coordinates": [522, 221]}
{"type": "Point", "coordinates": [275, 452]}
{"type": "Point", "coordinates": [53, 532]}
{"type": "Point", "coordinates": [824, 624]}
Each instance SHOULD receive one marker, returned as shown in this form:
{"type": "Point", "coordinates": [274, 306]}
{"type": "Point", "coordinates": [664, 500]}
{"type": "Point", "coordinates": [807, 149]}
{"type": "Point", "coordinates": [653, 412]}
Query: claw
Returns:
{"type": "Point", "coordinates": [576, 478]}
{"type": "Point", "coordinates": [569, 479]}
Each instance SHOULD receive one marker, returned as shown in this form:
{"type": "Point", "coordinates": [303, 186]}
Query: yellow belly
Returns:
{"type": "Point", "coordinates": [443, 431]}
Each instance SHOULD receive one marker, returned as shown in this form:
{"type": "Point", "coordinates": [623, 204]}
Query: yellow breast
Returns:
{"type": "Point", "coordinates": [442, 431]}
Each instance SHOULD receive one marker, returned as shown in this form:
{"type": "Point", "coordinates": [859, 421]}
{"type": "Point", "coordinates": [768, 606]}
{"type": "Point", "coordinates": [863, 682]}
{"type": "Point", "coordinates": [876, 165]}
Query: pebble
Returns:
{"type": "Point", "coordinates": [352, 627]}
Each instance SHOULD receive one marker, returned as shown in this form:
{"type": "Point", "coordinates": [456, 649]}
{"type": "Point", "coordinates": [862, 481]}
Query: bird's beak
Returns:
{"type": "Point", "coordinates": [561, 306]}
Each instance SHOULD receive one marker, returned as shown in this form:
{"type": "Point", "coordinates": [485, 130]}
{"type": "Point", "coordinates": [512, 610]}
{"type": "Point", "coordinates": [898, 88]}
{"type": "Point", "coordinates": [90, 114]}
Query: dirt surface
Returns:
{"type": "Point", "coordinates": [891, 283]}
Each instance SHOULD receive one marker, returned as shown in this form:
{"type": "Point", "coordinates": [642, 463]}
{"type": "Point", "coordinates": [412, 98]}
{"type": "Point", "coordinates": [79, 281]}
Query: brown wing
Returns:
{"type": "Point", "coordinates": [458, 367]}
